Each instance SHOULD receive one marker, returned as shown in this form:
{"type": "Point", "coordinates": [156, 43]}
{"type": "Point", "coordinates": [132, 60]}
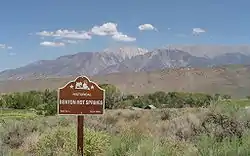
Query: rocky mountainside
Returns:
{"type": "Point", "coordinates": [212, 50]}
{"type": "Point", "coordinates": [125, 59]}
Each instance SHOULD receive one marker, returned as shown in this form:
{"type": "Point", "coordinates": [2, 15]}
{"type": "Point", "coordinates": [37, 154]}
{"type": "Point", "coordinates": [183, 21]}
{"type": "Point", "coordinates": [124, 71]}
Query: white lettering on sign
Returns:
{"type": "Point", "coordinates": [64, 111]}
{"type": "Point", "coordinates": [81, 94]}
{"type": "Point", "coordinates": [70, 102]}
{"type": "Point", "coordinates": [93, 102]}
{"type": "Point", "coordinates": [81, 102]}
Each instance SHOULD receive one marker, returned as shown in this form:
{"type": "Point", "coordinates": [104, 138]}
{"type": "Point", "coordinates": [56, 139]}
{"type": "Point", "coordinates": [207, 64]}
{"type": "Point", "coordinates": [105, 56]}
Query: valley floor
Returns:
{"type": "Point", "coordinates": [234, 81]}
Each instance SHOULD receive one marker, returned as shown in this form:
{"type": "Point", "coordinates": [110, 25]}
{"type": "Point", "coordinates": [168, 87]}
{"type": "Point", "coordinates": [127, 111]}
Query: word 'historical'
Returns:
{"type": "Point", "coordinates": [81, 102]}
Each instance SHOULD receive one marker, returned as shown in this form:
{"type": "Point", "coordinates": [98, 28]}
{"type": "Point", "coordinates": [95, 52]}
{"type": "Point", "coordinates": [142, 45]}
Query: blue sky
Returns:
{"type": "Point", "coordinates": [217, 22]}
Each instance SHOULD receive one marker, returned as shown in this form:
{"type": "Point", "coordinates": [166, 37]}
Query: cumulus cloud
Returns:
{"type": "Point", "coordinates": [105, 29]}
{"type": "Point", "coordinates": [197, 31]}
{"type": "Point", "coordinates": [121, 37]}
{"type": "Point", "coordinates": [72, 36]}
{"type": "Point", "coordinates": [144, 27]}
{"type": "Point", "coordinates": [110, 29]}
{"type": "Point", "coordinates": [52, 44]}
{"type": "Point", "coordinates": [64, 33]}
{"type": "Point", "coordinates": [4, 46]}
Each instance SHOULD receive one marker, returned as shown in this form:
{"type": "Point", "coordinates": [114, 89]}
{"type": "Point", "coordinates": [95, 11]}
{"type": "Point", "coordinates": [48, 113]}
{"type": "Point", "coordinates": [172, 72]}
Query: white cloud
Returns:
{"type": "Point", "coordinates": [110, 29]}
{"type": "Point", "coordinates": [121, 37]}
{"type": "Point", "coordinates": [52, 44]}
{"type": "Point", "coordinates": [45, 33]}
{"type": "Point", "coordinates": [4, 46]}
{"type": "Point", "coordinates": [72, 36]}
{"type": "Point", "coordinates": [64, 33]}
{"type": "Point", "coordinates": [144, 27]}
{"type": "Point", "coordinates": [197, 31]}
{"type": "Point", "coordinates": [105, 29]}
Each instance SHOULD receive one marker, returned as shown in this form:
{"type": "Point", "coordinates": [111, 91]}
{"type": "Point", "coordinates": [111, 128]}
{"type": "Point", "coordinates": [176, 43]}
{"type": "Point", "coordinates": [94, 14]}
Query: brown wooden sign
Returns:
{"type": "Point", "coordinates": [81, 96]}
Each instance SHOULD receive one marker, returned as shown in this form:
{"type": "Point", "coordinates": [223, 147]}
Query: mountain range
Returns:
{"type": "Point", "coordinates": [130, 59]}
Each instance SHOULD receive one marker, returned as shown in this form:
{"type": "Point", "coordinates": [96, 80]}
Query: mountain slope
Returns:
{"type": "Point", "coordinates": [159, 59]}
{"type": "Point", "coordinates": [212, 50]}
{"type": "Point", "coordinates": [233, 80]}
{"type": "Point", "coordinates": [88, 63]}
{"type": "Point", "coordinates": [126, 59]}
{"type": "Point", "coordinates": [231, 58]}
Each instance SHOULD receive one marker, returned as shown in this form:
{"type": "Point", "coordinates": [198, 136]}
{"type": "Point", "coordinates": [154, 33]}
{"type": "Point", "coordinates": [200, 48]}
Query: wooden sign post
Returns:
{"type": "Point", "coordinates": [80, 97]}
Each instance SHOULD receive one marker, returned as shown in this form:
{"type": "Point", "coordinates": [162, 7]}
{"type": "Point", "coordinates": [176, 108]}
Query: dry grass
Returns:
{"type": "Point", "coordinates": [159, 132]}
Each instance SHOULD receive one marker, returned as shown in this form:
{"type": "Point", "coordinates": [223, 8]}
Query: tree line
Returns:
{"type": "Point", "coordinates": [45, 102]}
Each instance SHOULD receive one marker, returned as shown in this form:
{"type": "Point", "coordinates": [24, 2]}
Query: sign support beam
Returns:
{"type": "Point", "coordinates": [79, 97]}
{"type": "Point", "coordinates": [80, 132]}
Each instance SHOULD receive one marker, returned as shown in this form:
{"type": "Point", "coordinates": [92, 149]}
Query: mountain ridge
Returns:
{"type": "Point", "coordinates": [123, 59]}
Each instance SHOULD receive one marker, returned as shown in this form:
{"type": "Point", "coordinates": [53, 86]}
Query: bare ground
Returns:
{"type": "Point", "coordinates": [233, 81]}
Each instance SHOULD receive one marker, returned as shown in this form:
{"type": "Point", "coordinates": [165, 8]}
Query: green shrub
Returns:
{"type": "Point", "coordinates": [226, 97]}
{"type": "Point", "coordinates": [45, 103]}
{"type": "Point", "coordinates": [62, 141]}
{"type": "Point", "coordinates": [13, 133]}
{"type": "Point", "coordinates": [112, 95]}
{"type": "Point", "coordinates": [133, 142]}
{"type": "Point", "coordinates": [248, 97]}
{"type": "Point", "coordinates": [222, 126]}
{"type": "Point", "coordinates": [124, 104]}
{"type": "Point", "coordinates": [208, 145]}
{"type": "Point", "coordinates": [216, 96]}
{"type": "Point", "coordinates": [140, 102]}
{"type": "Point", "coordinates": [126, 143]}
{"type": "Point", "coordinates": [129, 97]}
{"type": "Point", "coordinates": [173, 100]}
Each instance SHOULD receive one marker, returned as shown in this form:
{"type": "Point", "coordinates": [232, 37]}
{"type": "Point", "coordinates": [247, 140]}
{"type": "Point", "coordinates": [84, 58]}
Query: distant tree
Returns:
{"type": "Point", "coordinates": [130, 97]}
{"type": "Point", "coordinates": [2, 102]}
{"type": "Point", "coordinates": [226, 97]}
{"type": "Point", "coordinates": [159, 96]}
{"type": "Point", "coordinates": [216, 96]}
{"type": "Point", "coordinates": [14, 100]}
{"type": "Point", "coordinates": [49, 102]}
{"type": "Point", "coordinates": [112, 95]}
{"type": "Point", "coordinates": [248, 97]}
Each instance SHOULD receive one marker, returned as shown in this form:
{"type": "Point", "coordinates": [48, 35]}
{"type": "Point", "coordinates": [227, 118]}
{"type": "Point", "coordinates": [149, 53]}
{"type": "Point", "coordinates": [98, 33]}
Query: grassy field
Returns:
{"type": "Point", "coordinates": [17, 114]}
{"type": "Point", "coordinates": [219, 130]}
{"type": "Point", "coordinates": [233, 80]}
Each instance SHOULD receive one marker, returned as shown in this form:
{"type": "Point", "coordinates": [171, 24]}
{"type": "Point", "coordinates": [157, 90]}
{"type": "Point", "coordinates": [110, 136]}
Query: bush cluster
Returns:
{"type": "Point", "coordinates": [173, 100]}
{"type": "Point", "coordinates": [63, 140]}
{"type": "Point", "coordinates": [45, 102]}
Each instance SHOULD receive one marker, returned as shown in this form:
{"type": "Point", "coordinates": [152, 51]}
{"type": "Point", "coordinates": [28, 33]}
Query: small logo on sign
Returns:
{"type": "Point", "coordinates": [82, 86]}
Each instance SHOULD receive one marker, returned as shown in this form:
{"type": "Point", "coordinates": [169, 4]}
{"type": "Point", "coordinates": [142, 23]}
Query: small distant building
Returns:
{"type": "Point", "coordinates": [150, 107]}
{"type": "Point", "coordinates": [135, 108]}
{"type": "Point", "coordinates": [247, 107]}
